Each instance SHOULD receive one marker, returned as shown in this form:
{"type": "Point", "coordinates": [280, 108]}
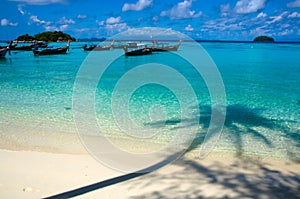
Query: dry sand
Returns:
{"type": "Point", "coordinates": [30, 174]}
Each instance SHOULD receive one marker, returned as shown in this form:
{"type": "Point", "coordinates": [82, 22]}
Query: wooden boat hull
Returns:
{"type": "Point", "coordinates": [144, 51]}
{"type": "Point", "coordinates": [56, 51]}
{"type": "Point", "coordinates": [3, 52]}
{"type": "Point", "coordinates": [164, 49]}
{"type": "Point", "coordinates": [119, 47]}
{"type": "Point", "coordinates": [29, 47]}
{"type": "Point", "coordinates": [85, 48]}
{"type": "Point", "coordinates": [96, 48]}
{"type": "Point", "coordinates": [24, 48]}
{"type": "Point", "coordinates": [100, 48]}
{"type": "Point", "coordinates": [156, 48]}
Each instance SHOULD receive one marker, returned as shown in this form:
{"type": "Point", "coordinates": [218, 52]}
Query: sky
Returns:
{"type": "Point", "coordinates": [240, 20]}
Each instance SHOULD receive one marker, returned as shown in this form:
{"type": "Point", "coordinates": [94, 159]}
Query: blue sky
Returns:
{"type": "Point", "coordinates": [218, 19]}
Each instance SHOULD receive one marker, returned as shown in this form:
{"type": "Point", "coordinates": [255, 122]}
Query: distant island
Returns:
{"type": "Point", "coordinates": [55, 36]}
{"type": "Point", "coordinates": [264, 39]}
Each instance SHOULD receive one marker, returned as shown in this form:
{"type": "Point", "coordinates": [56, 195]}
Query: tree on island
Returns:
{"type": "Point", "coordinates": [47, 36]}
{"type": "Point", "coordinates": [25, 37]}
{"type": "Point", "coordinates": [263, 39]}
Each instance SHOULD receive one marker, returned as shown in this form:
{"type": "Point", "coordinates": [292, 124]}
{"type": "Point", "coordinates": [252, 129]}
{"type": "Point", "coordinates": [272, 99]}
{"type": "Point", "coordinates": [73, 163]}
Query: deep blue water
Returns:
{"type": "Point", "coordinates": [261, 82]}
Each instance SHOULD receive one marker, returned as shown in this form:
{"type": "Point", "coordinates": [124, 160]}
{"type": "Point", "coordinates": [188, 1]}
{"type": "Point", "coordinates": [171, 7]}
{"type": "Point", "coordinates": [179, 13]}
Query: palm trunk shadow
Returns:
{"type": "Point", "coordinates": [113, 181]}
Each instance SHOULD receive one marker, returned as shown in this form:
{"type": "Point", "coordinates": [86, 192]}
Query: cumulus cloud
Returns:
{"type": "Point", "coordinates": [189, 28]}
{"type": "Point", "coordinates": [40, 2]}
{"type": "Point", "coordinates": [113, 24]}
{"type": "Point", "coordinates": [181, 11]}
{"type": "Point", "coordinates": [113, 20]}
{"type": "Point", "coordinates": [140, 5]}
{"type": "Point", "coordinates": [249, 6]}
{"type": "Point", "coordinates": [261, 15]}
{"type": "Point", "coordinates": [294, 4]}
{"type": "Point", "coordinates": [6, 22]}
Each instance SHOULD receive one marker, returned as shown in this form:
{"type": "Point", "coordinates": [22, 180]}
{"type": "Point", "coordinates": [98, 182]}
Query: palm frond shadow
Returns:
{"type": "Point", "coordinates": [194, 180]}
{"type": "Point", "coordinates": [240, 121]}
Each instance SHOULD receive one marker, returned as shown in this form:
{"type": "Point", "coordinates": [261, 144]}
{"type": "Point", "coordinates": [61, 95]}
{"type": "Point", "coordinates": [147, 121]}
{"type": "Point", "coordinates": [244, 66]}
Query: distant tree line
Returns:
{"type": "Point", "coordinates": [263, 39]}
{"type": "Point", "coordinates": [47, 36]}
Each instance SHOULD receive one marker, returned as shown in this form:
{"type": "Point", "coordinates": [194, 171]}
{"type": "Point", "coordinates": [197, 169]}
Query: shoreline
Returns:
{"type": "Point", "coordinates": [32, 174]}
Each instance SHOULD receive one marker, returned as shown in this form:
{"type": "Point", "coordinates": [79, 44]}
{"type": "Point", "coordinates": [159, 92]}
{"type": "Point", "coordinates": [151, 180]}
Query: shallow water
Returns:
{"type": "Point", "coordinates": [262, 90]}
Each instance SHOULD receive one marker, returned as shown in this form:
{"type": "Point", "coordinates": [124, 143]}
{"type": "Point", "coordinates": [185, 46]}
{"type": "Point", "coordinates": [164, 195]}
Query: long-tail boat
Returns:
{"type": "Point", "coordinates": [141, 49]}
{"type": "Point", "coordinates": [51, 51]}
{"type": "Point", "coordinates": [160, 47]}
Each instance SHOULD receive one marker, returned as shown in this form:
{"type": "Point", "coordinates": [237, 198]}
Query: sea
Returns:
{"type": "Point", "coordinates": [145, 97]}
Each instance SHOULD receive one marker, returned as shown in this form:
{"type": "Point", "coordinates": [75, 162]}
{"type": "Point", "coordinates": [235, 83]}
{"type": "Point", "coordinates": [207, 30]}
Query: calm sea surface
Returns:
{"type": "Point", "coordinates": [262, 92]}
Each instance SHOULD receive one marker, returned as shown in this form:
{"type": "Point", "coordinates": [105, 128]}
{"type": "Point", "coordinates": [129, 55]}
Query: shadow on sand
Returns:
{"type": "Point", "coordinates": [193, 180]}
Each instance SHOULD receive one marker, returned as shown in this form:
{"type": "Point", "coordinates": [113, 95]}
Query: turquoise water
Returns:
{"type": "Point", "coordinates": [262, 90]}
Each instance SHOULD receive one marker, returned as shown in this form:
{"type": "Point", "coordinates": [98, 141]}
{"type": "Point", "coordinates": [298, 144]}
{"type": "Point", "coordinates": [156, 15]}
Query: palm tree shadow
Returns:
{"type": "Point", "coordinates": [261, 182]}
{"type": "Point", "coordinates": [240, 122]}
{"type": "Point", "coordinates": [109, 182]}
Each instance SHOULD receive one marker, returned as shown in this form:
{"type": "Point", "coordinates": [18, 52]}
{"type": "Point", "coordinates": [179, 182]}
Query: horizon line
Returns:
{"type": "Point", "coordinates": [197, 40]}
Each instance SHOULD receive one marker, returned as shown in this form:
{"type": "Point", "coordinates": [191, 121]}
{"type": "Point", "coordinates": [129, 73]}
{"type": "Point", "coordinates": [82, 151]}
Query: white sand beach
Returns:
{"type": "Point", "coordinates": [30, 174]}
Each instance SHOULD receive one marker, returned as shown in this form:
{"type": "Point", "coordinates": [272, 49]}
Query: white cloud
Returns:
{"type": "Point", "coordinates": [181, 11]}
{"type": "Point", "coordinates": [113, 20]}
{"type": "Point", "coordinates": [81, 16]}
{"type": "Point", "coordinates": [113, 25]}
{"type": "Point", "coordinates": [154, 31]}
{"type": "Point", "coordinates": [249, 6]}
{"type": "Point", "coordinates": [20, 9]}
{"type": "Point", "coordinates": [223, 26]}
{"type": "Point", "coordinates": [140, 5]}
{"type": "Point", "coordinates": [100, 23]}
{"type": "Point", "coordinates": [82, 30]}
{"type": "Point", "coordinates": [51, 28]}
{"type": "Point", "coordinates": [261, 15]}
{"type": "Point", "coordinates": [285, 32]}
{"type": "Point", "coordinates": [117, 27]}
{"type": "Point", "coordinates": [189, 28]}
{"type": "Point", "coordinates": [155, 18]}
{"type": "Point", "coordinates": [6, 22]}
{"type": "Point", "coordinates": [274, 19]}
{"type": "Point", "coordinates": [261, 30]}
{"type": "Point", "coordinates": [61, 24]}
{"type": "Point", "coordinates": [294, 4]}
{"type": "Point", "coordinates": [277, 18]}
{"type": "Point", "coordinates": [40, 2]}
{"type": "Point", "coordinates": [37, 20]}
{"type": "Point", "coordinates": [224, 9]}
{"type": "Point", "coordinates": [294, 15]}
{"type": "Point", "coordinates": [64, 21]}
{"type": "Point", "coordinates": [64, 27]}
